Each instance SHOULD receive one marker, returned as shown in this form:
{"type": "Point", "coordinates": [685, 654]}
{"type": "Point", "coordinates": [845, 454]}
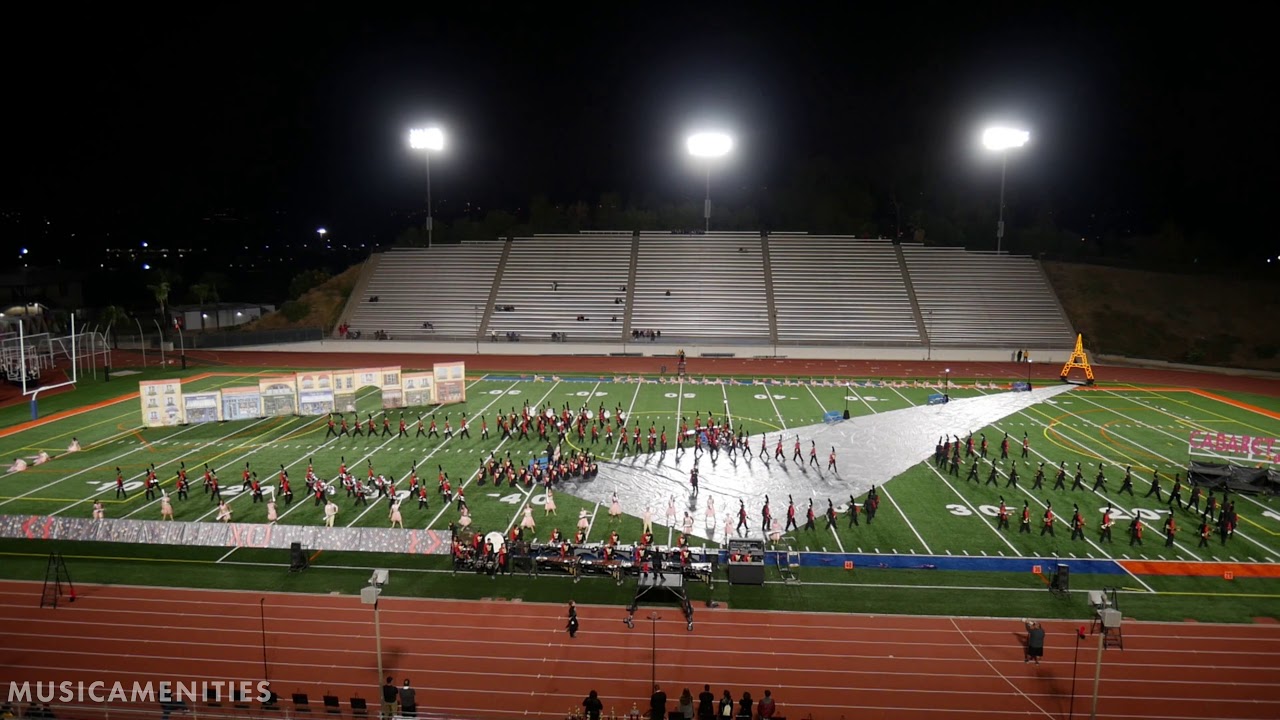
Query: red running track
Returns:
{"type": "Point", "coordinates": [503, 659]}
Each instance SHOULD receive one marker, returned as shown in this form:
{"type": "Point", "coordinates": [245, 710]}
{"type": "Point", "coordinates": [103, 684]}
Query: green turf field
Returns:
{"type": "Point", "coordinates": [922, 512]}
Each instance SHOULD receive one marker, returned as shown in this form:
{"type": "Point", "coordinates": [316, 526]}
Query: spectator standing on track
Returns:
{"type": "Point", "coordinates": [686, 704]}
{"type": "Point", "coordinates": [408, 700]}
{"type": "Point", "coordinates": [726, 705]}
{"type": "Point", "coordinates": [767, 706]}
{"type": "Point", "coordinates": [389, 699]}
{"type": "Point", "coordinates": [706, 704]}
{"type": "Point", "coordinates": [744, 707]}
{"type": "Point", "coordinates": [658, 704]}
{"type": "Point", "coordinates": [572, 627]}
{"type": "Point", "coordinates": [592, 706]}
{"type": "Point", "coordinates": [1035, 642]}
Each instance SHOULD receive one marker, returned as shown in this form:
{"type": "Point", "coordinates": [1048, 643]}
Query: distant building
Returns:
{"type": "Point", "coordinates": [218, 315]}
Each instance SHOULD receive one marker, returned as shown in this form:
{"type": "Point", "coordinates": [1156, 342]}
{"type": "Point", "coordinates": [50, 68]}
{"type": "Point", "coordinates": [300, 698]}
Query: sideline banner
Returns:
{"type": "Point", "coordinates": [216, 534]}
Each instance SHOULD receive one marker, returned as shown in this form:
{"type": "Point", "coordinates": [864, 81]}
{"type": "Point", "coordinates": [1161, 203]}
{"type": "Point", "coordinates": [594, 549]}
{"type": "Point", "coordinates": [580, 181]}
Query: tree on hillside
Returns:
{"type": "Point", "coordinates": [112, 314]}
{"type": "Point", "coordinates": [202, 293]}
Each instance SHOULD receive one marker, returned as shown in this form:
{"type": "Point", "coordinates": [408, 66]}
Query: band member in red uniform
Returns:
{"type": "Point", "coordinates": [484, 428]}
{"type": "Point", "coordinates": [1025, 526]}
{"type": "Point", "coordinates": [319, 494]}
{"type": "Point", "coordinates": [795, 451]}
{"type": "Point", "coordinates": [831, 460]}
{"type": "Point", "coordinates": [663, 441]}
{"type": "Point", "coordinates": [1026, 445]}
{"type": "Point", "coordinates": [214, 493]}
{"type": "Point", "coordinates": [693, 479]}
{"type": "Point", "coordinates": [432, 432]}
{"type": "Point", "coordinates": [766, 516]}
{"type": "Point", "coordinates": [1205, 530]}
{"type": "Point", "coordinates": [182, 482]}
{"type": "Point", "coordinates": [810, 518]}
{"type": "Point", "coordinates": [1004, 447]}
{"type": "Point", "coordinates": [422, 497]}
{"type": "Point", "coordinates": [1077, 524]}
{"type": "Point", "coordinates": [255, 488]}
{"type": "Point", "coordinates": [1107, 522]}
{"type": "Point", "coordinates": [1135, 531]}
{"type": "Point", "coordinates": [462, 429]}
{"type": "Point", "coordinates": [285, 491]}
{"type": "Point", "coordinates": [742, 518]}
{"type": "Point", "coordinates": [831, 515]}
{"type": "Point", "coordinates": [356, 428]}
{"type": "Point", "coordinates": [791, 515]}
{"type": "Point", "coordinates": [1170, 531]}
{"type": "Point", "coordinates": [813, 453]}
{"type": "Point", "coordinates": [344, 430]}
{"type": "Point", "coordinates": [1002, 515]}
{"type": "Point", "coordinates": [332, 429]}
{"type": "Point", "coordinates": [244, 477]}
{"type": "Point", "coordinates": [371, 425]}
{"type": "Point", "coordinates": [404, 429]}
{"type": "Point", "coordinates": [1047, 527]}
{"type": "Point", "coordinates": [777, 450]}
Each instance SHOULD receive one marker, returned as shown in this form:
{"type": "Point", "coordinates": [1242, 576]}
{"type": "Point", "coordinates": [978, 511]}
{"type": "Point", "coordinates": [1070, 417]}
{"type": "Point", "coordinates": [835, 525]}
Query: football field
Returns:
{"type": "Point", "coordinates": [922, 512]}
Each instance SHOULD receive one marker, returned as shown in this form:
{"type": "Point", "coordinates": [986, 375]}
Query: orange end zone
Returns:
{"type": "Point", "coordinates": [1200, 569]}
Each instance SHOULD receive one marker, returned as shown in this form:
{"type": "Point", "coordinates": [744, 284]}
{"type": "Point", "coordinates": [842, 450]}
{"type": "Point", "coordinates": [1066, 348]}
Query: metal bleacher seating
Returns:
{"type": "Point", "coordinates": [840, 290]}
{"type": "Point", "coordinates": [979, 299]}
{"type": "Point", "coordinates": [445, 285]}
{"type": "Point", "coordinates": [590, 272]}
{"type": "Point", "coordinates": [716, 282]}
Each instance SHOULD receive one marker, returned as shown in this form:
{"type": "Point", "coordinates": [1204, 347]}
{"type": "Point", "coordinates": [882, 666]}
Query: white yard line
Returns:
{"type": "Point", "coordinates": [976, 513]}
{"type": "Point", "coordinates": [630, 419]}
{"type": "Point", "coordinates": [781, 420]}
{"type": "Point", "coordinates": [441, 442]}
{"type": "Point", "coordinates": [104, 463]}
{"type": "Point", "coordinates": [1149, 451]}
{"type": "Point", "coordinates": [907, 520]}
{"type": "Point", "coordinates": [1182, 420]}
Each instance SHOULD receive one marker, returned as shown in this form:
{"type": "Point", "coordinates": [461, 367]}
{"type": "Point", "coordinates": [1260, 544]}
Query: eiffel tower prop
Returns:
{"type": "Point", "coordinates": [1078, 360]}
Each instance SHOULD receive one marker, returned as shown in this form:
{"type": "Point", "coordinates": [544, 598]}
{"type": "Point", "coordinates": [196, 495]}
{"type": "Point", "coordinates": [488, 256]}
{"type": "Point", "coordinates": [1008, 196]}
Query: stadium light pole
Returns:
{"type": "Point", "coordinates": [1002, 140]}
{"type": "Point", "coordinates": [428, 140]}
{"type": "Point", "coordinates": [708, 146]}
{"type": "Point", "coordinates": [142, 341]}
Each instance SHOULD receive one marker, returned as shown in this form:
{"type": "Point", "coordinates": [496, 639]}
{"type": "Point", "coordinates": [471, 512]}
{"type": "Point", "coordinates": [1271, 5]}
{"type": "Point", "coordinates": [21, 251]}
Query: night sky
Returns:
{"type": "Point", "coordinates": [1136, 117]}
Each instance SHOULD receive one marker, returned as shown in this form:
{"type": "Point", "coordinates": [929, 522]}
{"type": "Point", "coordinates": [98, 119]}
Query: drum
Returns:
{"type": "Point", "coordinates": [608, 414]}
{"type": "Point", "coordinates": [496, 539]}
{"type": "Point", "coordinates": [549, 413]}
{"type": "Point", "coordinates": [590, 414]}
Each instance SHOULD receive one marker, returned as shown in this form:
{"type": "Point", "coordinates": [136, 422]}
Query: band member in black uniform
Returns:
{"type": "Point", "coordinates": [1126, 485]}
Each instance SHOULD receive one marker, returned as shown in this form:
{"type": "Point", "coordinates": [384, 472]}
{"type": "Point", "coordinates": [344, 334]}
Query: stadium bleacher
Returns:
{"type": "Point", "coordinates": [712, 288]}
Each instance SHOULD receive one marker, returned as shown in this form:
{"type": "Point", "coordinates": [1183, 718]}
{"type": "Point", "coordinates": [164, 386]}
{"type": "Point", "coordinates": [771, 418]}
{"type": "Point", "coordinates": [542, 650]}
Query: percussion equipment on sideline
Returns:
{"type": "Point", "coordinates": [495, 538]}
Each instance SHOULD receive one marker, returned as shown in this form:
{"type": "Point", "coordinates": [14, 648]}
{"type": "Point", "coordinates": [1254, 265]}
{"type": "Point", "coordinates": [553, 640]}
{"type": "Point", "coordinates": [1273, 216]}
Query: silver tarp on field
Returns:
{"type": "Point", "coordinates": [870, 450]}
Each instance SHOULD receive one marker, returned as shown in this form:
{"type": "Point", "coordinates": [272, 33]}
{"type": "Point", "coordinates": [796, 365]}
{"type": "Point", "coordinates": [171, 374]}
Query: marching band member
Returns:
{"type": "Point", "coordinates": [1107, 522]}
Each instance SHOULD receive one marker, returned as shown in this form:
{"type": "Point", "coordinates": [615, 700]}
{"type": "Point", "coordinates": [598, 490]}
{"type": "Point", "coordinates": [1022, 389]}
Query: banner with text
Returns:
{"type": "Point", "coordinates": [1225, 445]}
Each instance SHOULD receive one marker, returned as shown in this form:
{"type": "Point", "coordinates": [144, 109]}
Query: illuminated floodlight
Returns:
{"type": "Point", "coordinates": [1004, 138]}
{"type": "Point", "coordinates": [709, 144]}
{"type": "Point", "coordinates": [431, 138]}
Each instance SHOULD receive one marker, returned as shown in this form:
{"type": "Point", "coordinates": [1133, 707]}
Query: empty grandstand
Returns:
{"type": "Point", "coordinates": [709, 287]}
{"type": "Point", "coordinates": [439, 292]}
{"type": "Point", "coordinates": [718, 288]}
{"type": "Point", "coordinates": [978, 299]}
{"type": "Point", "coordinates": [840, 290]}
{"type": "Point", "coordinates": [564, 284]}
